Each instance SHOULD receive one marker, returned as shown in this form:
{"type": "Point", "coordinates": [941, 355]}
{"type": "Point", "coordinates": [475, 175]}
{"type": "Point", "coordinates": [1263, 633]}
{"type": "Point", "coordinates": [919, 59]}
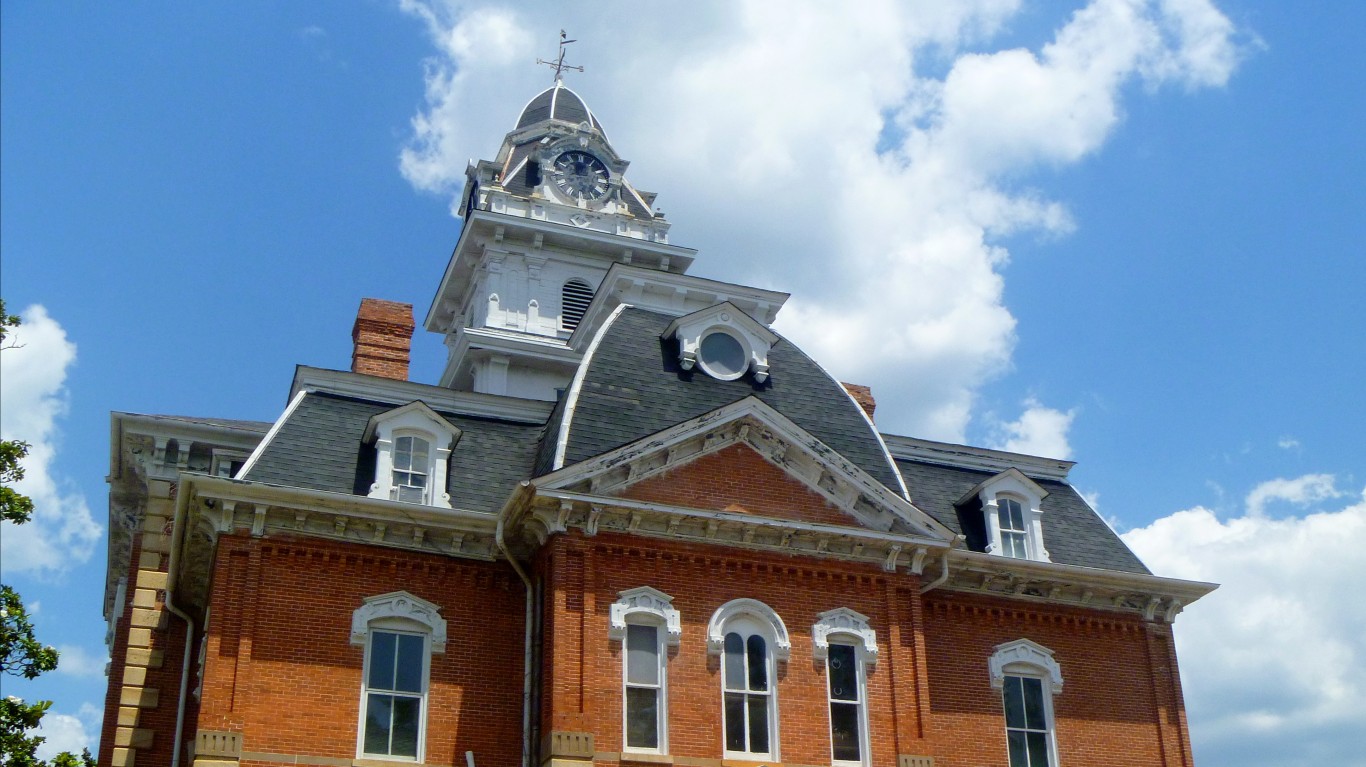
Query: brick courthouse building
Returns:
{"type": "Point", "coordinates": [630, 525]}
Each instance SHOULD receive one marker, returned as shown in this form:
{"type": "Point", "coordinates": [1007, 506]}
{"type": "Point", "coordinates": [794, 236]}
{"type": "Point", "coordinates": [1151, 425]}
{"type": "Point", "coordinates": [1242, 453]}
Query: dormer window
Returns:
{"type": "Point", "coordinates": [724, 342]}
{"type": "Point", "coordinates": [1012, 515]}
{"type": "Point", "coordinates": [412, 450]}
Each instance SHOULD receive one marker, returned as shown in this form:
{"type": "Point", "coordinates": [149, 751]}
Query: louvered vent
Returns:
{"type": "Point", "coordinates": [574, 299]}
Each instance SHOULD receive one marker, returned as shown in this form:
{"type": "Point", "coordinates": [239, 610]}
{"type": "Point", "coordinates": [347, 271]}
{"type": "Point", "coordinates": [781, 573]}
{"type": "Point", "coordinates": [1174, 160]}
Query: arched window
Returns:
{"type": "Point", "coordinates": [750, 638]}
{"type": "Point", "coordinates": [1014, 534]}
{"type": "Point", "coordinates": [644, 620]}
{"type": "Point", "coordinates": [574, 299]}
{"type": "Point", "coordinates": [1028, 678]}
{"type": "Point", "coordinates": [399, 632]}
{"type": "Point", "coordinates": [844, 640]}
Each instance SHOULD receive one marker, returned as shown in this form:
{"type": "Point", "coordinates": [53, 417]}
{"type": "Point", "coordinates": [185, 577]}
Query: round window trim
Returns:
{"type": "Point", "coordinates": [719, 359]}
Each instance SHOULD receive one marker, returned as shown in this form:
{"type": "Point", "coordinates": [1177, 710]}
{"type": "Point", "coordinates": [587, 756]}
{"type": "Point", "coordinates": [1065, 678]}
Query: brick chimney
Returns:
{"type": "Point", "coordinates": [382, 338]}
{"type": "Point", "coordinates": [863, 396]}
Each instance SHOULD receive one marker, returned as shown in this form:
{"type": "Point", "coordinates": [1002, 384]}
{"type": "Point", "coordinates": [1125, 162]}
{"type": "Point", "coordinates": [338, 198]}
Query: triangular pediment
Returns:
{"type": "Point", "coordinates": [685, 467]}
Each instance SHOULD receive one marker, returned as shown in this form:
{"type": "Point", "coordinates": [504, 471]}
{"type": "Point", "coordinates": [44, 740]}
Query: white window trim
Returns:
{"type": "Point", "coordinates": [649, 607]}
{"type": "Point", "coordinates": [781, 649]}
{"type": "Point", "coordinates": [753, 336]}
{"type": "Point", "coordinates": [847, 627]}
{"type": "Point", "coordinates": [1014, 485]}
{"type": "Point", "coordinates": [397, 612]}
{"type": "Point", "coordinates": [418, 420]}
{"type": "Point", "coordinates": [1023, 658]}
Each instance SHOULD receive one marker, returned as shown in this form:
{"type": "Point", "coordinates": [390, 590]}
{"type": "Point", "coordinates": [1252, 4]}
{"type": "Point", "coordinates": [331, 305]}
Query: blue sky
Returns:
{"type": "Point", "coordinates": [1025, 225]}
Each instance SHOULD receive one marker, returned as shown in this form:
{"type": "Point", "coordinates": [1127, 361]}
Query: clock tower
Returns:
{"type": "Point", "coordinates": [543, 222]}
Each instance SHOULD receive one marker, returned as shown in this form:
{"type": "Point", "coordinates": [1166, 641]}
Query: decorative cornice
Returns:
{"type": "Point", "coordinates": [967, 457]}
{"type": "Point", "coordinates": [716, 627]}
{"type": "Point", "coordinates": [1036, 659]}
{"type": "Point", "coordinates": [400, 605]}
{"type": "Point", "coordinates": [652, 603]}
{"type": "Point", "coordinates": [842, 621]}
{"type": "Point", "coordinates": [386, 390]}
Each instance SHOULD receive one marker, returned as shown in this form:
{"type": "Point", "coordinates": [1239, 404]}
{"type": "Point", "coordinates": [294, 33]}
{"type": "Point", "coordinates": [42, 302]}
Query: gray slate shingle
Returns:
{"type": "Point", "coordinates": [319, 448]}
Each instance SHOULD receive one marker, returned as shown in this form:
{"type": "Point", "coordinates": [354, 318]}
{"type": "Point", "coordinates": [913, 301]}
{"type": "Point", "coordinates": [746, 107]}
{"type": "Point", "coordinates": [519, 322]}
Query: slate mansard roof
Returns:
{"type": "Point", "coordinates": [634, 387]}
{"type": "Point", "coordinates": [558, 103]}
{"type": "Point", "coordinates": [319, 447]}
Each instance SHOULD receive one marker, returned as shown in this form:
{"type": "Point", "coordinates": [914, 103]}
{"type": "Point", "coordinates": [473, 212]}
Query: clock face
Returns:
{"type": "Point", "coordinates": [580, 175]}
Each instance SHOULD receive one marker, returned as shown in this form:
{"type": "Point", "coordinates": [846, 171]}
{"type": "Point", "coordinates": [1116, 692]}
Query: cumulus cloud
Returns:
{"type": "Point", "coordinates": [33, 373]}
{"type": "Point", "coordinates": [1039, 430]}
{"type": "Point", "coordinates": [807, 148]}
{"type": "Point", "coordinates": [1272, 662]}
{"type": "Point", "coordinates": [67, 732]}
{"type": "Point", "coordinates": [1300, 491]}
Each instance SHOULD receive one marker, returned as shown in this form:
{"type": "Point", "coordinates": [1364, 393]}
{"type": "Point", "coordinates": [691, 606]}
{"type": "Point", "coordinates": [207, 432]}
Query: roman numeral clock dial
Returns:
{"type": "Point", "coordinates": [580, 175]}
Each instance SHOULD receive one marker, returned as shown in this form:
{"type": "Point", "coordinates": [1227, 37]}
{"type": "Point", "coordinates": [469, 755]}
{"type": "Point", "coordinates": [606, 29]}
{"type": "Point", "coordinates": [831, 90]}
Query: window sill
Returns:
{"type": "Point", "coordinates": [733, 762]}
{"type": "Point", "coordinates": [645, 758]}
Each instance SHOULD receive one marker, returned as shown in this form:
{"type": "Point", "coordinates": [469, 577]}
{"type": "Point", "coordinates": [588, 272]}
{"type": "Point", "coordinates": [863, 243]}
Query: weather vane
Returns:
{"type": "Point", "coordinates": [558, 63]}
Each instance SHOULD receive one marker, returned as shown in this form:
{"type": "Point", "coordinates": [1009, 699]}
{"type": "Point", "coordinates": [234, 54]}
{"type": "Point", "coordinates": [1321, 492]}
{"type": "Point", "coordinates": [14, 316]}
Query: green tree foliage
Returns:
{"type": "Point", "coordinates": [21, 654]}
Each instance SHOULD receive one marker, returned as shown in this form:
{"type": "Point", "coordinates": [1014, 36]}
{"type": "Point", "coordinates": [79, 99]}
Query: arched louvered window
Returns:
{"type": "Point", "coordinates": [574, 299]}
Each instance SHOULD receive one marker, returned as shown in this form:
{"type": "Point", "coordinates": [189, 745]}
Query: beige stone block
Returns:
{"type": "Point", "coordinates": [133, 737]}
{"type": "Point", "coordinates": [139, 637]}
{"type": "Point", "coordinates": [145, 598]}
{"type": "Point", "coordinates": [141, 656]}
{"type": "Point", "coordinates": [123, 757]}
{"type": "Point", "coordinates": [150, 619]}
{"type": "Point", "coordinates": [156, 542]}
{"type": "Point", "coordinates": [158, 496]}
{"type": "Point", "coordinates": [135, 676]}
{"type": "Point", "coordinates": [142, 697]}
{"type": "Point", "coordinates": [152, 579]}
{"type": "Point", "coordinates": [128, 716]}
{"type": "Point", "coordinates": [149, 560]}
{"type": "Point", "coordinates": [200, 761]}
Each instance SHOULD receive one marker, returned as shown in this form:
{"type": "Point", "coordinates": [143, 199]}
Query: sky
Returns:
{"type": "Point", "coordinates": [1120, 232]}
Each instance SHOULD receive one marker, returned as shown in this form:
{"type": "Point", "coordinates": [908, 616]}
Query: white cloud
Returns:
{"type": "Point", "coordinates": [32, 399]}
{"type": "Point", "coordinates": [74, 660]}
{"type": "Point", "coordinates": [65, 732]}
{"type": "Point", "coordinates": [1288, 443]}
{"type": "Point", "coordinates": [798, 146]}
{"type": "Point", "coordinates": [1301, 491]}
{"type": "Point", "coordinates": [1039, 431]}
{"type": "Point", "coordinates": [1273, 662]}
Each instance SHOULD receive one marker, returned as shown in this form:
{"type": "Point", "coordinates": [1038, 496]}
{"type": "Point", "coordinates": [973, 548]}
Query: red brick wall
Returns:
{"type": "Point", "coordinates": [930, 693]}
{"type": "Point", "coordinates": [738, 479]}
{"type": "Point", "coordinates": [382, 338]}
{"type": "Point", "coordinates": [281, 668]}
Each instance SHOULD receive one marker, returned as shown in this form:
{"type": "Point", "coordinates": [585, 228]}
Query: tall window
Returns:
{"type": "Point", "coordinates": [644, 687]}
{"type": "Point", "coordinates": [645, 622]}
{"type": "Point", "coordinates": [1028, 678]}
{"type": "Point", "coordinates": [846, 704]}
{"type": "Point", "coordinates": [410, 469]}
{"type": "Point", "coordinates": [395, 687]}
{"type": "Point", "coordinates": [1028, 734]}
{"type": "Point", "coordinates": [1014, 534]}
{"type": "Point", "coordinates": [399, 632]}
{"type": "Point", "coordinates": [574, 299]}
{"type": "Point", "coordinates": [747, 680]}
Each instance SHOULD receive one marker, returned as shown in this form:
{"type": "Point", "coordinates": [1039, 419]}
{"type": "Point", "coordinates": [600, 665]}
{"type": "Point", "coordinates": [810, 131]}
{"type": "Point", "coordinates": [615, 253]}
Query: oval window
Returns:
{"type": "Point", "coordinates": [722, 356]}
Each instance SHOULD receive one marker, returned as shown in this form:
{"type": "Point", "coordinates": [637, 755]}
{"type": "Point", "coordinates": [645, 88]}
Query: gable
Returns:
{"type": "Point", "coordinates": [737, 479]}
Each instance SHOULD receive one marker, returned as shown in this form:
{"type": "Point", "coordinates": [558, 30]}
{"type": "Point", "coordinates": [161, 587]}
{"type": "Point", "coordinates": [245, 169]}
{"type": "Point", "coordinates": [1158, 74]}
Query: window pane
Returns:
{"type": "Point", "coordinates": [844, 735]}
{"type": "Point", "coordinates": [735, 721]}
{"type": "Point", "coordinates": [382, 659]}
{"type": "Point", "coordinates": [406, 711]}
{"type": "Point", "coordinates": [1038, 749]}
{"type": "Point", "coordinates": [1033, 704]}
{"type": "Point", "coordinates": [1013, 545]}
{"type": "Point", "coordinates": [642, 654]}
{"type": "Point", "coordinates": [409, 672]}
{"type": "Point", "coordinates": [1019, 755]}
{"type": "Point", "coordinates": [378, 711]}
{"type": "Point", "coordinates": [735, 662]}
{"type": "Point", "coordinates": [758, 664]}
{"type": "Point", "coordinates": [758, 724]}
{"type": "Point", "coordinates": [420, 453]}
{"type": "Point", "coordinates": [843, 673]}
{"type": "Point", "coordinates": [1014, 702]}
{"type": "Point", "coordinates": [642, 717]}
